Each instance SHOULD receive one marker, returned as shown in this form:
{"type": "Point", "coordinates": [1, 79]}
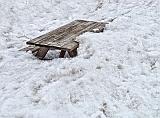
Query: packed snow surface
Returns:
{"type": "Point", "coordinates": [115, 75]}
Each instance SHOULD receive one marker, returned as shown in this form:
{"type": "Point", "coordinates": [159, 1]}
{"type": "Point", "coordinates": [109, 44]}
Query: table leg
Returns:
{"type": "Point", "coordinates": [42, 52]}
{"type": "Point", "coordinates": [72, 53]}
{"type": "Point", "coordinates": [62, 53]}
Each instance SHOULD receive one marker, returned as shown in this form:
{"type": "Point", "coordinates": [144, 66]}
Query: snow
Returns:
{"type": "Point", "coordinates": [115, 75]}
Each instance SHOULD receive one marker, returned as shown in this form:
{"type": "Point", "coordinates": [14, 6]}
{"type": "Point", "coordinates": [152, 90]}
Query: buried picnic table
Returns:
{"type": "Point", "coordinates": [63, 38]}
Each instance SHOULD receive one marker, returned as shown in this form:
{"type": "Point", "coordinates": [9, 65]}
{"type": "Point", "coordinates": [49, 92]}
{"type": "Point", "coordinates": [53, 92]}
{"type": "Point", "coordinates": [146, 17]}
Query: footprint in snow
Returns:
{"type": "Point", "coordinates": [1, 58]}
{"type": "Point", "coordinates": [88, 52]}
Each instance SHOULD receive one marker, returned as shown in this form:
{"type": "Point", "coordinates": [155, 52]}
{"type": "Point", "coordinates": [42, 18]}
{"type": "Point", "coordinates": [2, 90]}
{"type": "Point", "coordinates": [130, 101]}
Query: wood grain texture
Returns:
{"type": "Point", "coordinates": [64, 36]}
{"type": "Point", "coordinates": [32, 48]}
{"type": "Point", "coordinates": [41, 53]}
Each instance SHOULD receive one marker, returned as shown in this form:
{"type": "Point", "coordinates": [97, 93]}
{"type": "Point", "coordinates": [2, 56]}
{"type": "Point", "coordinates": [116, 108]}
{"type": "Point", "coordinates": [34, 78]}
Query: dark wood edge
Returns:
{"type": "Point", "coordinates": [54, 47]}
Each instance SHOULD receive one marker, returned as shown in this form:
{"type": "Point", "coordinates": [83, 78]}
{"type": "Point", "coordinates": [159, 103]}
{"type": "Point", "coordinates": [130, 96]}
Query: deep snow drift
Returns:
{"type": "Point", "coordinates": [115, 75]}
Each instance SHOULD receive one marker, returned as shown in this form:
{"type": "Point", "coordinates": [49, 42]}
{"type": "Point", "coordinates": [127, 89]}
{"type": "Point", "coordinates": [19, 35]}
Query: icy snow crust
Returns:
{"type": "Point", "coordinates": [115, 75]}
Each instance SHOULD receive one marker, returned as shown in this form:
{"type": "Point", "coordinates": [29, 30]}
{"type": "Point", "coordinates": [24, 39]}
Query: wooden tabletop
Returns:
{"type": "Point", "coordinates": [65, 35]}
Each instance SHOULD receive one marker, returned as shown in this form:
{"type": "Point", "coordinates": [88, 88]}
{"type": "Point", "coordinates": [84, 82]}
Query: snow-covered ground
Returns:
{"type": "Point", "coordinates": [115, 75]}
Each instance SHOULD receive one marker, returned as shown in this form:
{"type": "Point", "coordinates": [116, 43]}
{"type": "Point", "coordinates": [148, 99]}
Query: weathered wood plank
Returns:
{"type": "Point", "coordinates": [55, 33]}
{"type": "Point", "coordinates": [32, 48]}
{"type": "Point", "coordinates": [72, 53]}
{"type": "Point", "coordinates": [71, 46]}
{"type": "Point", "coordinates": [58, 36]}
{"type": "Point", "coordinates": [41, 53]}
{"type": "Point", "coordinates": [67, 33]}
{"type": "Point", "coordinates": [63, 38]}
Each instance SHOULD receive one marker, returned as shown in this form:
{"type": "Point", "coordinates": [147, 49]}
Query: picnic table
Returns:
{"type": "Point", "coordinates": [63, 38]}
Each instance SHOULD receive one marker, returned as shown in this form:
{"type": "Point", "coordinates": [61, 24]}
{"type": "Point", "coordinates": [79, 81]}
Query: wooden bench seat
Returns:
{"type": "Point", "coordinates": [63, 38]}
